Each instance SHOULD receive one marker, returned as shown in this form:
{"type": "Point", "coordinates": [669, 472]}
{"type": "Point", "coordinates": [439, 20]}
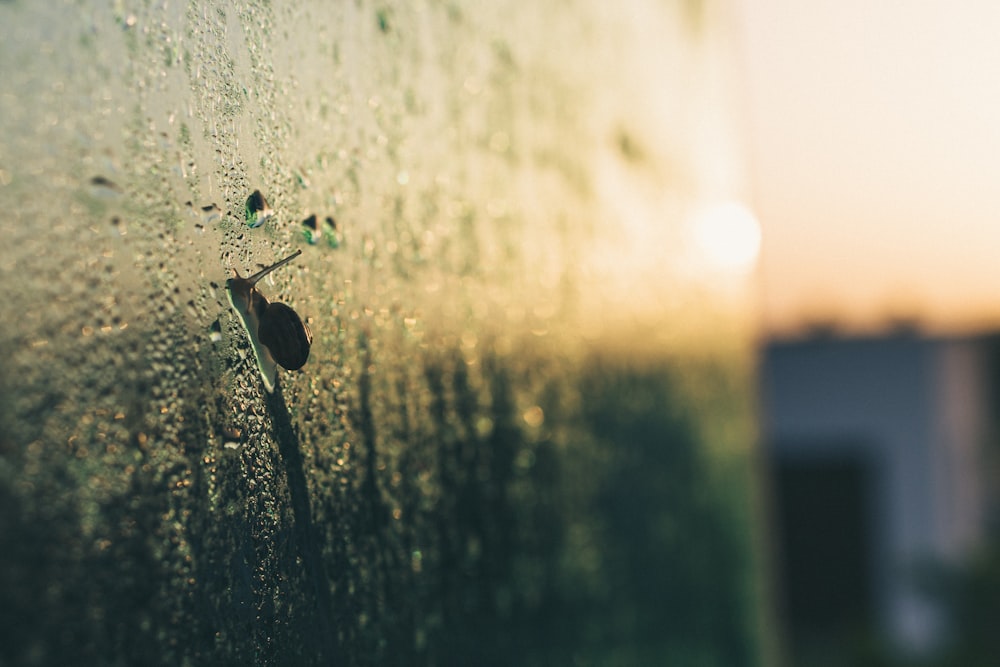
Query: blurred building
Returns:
{"type": "Point", "coordinates": [876, 448]}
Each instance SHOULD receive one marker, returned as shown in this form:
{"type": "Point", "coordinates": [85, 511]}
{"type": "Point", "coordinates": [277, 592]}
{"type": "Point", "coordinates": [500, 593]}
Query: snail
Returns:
{"type": "Point", "coordinates": [278, 335]}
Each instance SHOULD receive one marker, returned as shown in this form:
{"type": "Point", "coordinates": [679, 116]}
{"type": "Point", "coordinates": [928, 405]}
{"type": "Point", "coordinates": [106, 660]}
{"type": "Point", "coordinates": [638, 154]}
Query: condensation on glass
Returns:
{"type": "Point", "coordinates": [522, 431]}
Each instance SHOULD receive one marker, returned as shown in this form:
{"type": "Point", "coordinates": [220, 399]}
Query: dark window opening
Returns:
{"type": "Point", "coordinates": [824, 515]}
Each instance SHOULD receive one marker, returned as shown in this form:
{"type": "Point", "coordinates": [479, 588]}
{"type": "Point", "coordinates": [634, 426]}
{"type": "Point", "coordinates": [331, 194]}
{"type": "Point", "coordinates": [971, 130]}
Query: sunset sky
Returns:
{"type": "Point", "coordinates": [873, 146]}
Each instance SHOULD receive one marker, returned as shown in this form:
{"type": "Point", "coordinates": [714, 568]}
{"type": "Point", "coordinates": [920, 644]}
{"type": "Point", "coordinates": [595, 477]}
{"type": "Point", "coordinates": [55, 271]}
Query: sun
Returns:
{"type": "Point", "coordinates": [726, 237]}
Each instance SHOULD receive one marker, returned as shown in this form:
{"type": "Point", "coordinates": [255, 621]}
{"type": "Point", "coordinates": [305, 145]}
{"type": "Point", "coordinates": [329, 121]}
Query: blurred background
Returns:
{"type": "Point", "coordinates": [680, 347]}
{"type": "Point", "coordinates": [873, 151]}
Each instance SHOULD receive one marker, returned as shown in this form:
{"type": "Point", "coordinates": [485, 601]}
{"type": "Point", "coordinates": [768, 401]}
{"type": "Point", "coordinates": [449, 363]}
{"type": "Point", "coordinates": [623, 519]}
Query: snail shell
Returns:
{"type": "Point", "coordinates": [285, 335]}
{"type": "Point", "coordinates": [277, 333]}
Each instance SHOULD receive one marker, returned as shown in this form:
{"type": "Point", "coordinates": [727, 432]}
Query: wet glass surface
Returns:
{"type": "Point", "coordinates": [523, 431]}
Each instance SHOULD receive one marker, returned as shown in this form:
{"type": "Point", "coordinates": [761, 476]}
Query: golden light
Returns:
{"type": "Point", "coordinates": [726, 237]}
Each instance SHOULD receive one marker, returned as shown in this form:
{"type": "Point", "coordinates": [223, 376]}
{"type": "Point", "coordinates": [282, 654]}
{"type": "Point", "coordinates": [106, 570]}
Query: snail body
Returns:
{"type": "Point", "coordinates": [278, 335]}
